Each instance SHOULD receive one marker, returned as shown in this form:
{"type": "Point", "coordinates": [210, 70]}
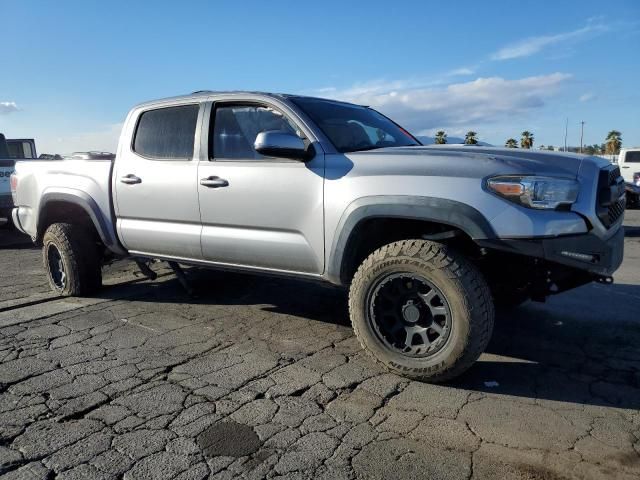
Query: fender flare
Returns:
{"type": "Point", "coordinates": [83, 200]}
{"type": "Point", "coordinates": [433, 209]}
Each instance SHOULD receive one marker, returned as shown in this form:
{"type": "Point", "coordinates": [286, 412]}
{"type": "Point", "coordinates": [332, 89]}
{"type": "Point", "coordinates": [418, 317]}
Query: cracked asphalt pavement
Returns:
{"type": "Point", "coordinates": [262, 378]}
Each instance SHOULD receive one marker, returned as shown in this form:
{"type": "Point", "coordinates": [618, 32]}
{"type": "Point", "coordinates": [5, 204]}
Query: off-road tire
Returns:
{"type": "Point", "coordinates": [464, 288]}
{"type": "Point", "coordinates": [80, 255]}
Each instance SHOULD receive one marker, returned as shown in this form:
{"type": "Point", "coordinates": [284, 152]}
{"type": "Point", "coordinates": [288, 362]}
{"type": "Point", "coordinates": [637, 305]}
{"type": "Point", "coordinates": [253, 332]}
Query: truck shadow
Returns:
{"type": "Point", "coordinates": [580, 347]}
{"type": "Point", "coordinates": [10, 238]}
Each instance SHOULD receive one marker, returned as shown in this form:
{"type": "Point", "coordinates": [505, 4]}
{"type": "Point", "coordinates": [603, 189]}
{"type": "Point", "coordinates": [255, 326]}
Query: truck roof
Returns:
{"type": "Point", "coordinates": [198, 94]}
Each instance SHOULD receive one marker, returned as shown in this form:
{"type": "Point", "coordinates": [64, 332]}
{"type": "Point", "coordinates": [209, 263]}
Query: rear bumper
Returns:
{"type": "Point", "coordinates": [16, 220]}
{"type": "Point", "coordinates": [587, 252]}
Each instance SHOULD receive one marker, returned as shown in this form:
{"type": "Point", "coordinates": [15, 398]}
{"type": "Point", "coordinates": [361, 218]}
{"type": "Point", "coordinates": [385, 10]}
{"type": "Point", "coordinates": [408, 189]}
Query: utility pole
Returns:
{"type": "Point", "coordinates": [581, 134]}
{"type": "Point", "coordinates": [566, 127]}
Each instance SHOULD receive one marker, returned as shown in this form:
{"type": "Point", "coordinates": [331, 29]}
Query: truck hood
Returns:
{"type": "Point", "coordinates": [468, 161]}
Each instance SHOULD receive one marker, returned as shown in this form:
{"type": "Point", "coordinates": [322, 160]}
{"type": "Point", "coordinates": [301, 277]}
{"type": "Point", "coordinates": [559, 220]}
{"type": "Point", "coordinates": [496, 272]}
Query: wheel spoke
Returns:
{"type": "Point", "coordinates": [401, 313]}
{"type": "Point", "coordinates": [424, 337]}
{"type": "Point", "coordinates": [408, 340]}
{"type": "Point", "coordinates": [436, 328]}
{"type": "Point", "coordinates": [427, 297]}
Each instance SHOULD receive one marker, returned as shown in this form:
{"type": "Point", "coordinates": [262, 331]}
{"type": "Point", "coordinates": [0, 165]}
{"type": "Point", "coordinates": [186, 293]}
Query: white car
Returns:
{"type": "Point", "coordinates": [629, 163]}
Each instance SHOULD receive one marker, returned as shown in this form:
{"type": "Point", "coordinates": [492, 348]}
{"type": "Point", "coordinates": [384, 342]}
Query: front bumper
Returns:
{"type": "Point", "coordinates": [587, 252]}
{"type": "Point", "coordinates": [632, 188]}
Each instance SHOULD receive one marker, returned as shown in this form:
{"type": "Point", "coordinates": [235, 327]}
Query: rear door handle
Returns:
{"type": "Point", "coordinates": [626, 166]}
{"type": "Point", "coordinates": [130, 179]}
{"type": "Point", "coordinates": [214, 182]}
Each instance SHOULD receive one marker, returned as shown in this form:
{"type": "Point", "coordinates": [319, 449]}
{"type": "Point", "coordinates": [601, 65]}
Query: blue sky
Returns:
{"type": "Point", "coordinates": [73, 69]}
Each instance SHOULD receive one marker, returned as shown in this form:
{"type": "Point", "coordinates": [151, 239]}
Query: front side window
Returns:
{"type": "Point", "coordinates": [167, 133]}
{"type": "Point", "coordinates": [353, 128]}
{"type": "Point", "coordinates": [235, 128]}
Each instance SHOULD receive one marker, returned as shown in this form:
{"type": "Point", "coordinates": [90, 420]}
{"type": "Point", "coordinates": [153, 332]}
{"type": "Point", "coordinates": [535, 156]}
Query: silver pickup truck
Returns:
{"type": "Point", "coordinates": [425, 238]}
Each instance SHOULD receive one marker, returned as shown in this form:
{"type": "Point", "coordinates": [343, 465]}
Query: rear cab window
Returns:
{"type": "Point", "coordinates": [167, 133]}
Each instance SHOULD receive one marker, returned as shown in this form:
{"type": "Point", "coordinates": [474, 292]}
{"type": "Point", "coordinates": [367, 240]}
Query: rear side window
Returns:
{"type": "Point", "coordinates": [167, 133]}
{"type": "Point", "coordinates": [632, 157]}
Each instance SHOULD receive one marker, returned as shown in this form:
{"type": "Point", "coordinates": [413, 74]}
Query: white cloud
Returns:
{"type": "Point", "coordinates": [533, 45]}
{"type": "Point", "coordinates": [587, 96]}
{"type": "Point", "coordinates": [463, 71]}
{"type": "Point", "coordinates": [456, 105]}
{"type": "Point", "coordinates": [8, 107]}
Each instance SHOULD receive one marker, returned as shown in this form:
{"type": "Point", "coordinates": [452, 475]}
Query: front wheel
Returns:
{"type": "Point", "coordinates": [71, 259]}
{"type": "Point", "coordinates": [421, 310]}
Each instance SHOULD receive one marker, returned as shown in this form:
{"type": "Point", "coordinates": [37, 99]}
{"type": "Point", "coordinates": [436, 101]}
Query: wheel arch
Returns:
{"type": "Point", "coordinates": [74, 206]}
{"type": "Point", "coordinates": [426, 214]}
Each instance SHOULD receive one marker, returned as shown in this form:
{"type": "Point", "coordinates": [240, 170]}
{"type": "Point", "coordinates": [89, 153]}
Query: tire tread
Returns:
{"type": "Point", "coordinates": [478, 300]}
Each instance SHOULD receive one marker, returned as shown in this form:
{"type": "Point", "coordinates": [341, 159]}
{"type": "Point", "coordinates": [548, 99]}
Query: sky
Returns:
{"type": "Point", "coordinates": [72, 70]}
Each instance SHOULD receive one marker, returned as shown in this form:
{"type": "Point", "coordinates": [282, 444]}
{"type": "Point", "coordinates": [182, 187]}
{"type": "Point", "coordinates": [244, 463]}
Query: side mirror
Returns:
{"type": "Point", "coordinates": [275, 143]}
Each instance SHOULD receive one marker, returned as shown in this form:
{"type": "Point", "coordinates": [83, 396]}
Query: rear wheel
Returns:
{"type": "Point", "coordinates": [72, 260]}
{"type": "Point", "coordinates": [421, 309]}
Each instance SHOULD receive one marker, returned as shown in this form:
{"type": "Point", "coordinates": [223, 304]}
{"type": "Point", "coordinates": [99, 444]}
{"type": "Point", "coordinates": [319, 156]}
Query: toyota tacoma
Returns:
{"type": "Point", "coordinates": [426, 239]}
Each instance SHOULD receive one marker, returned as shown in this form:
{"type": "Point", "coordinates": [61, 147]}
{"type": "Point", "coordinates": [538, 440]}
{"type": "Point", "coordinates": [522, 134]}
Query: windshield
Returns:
{"type": "Point", "coordinates": [353, 128]}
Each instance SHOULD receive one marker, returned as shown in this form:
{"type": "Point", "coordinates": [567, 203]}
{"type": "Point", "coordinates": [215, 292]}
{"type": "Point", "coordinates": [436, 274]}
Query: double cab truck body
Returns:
{"type": "Point", "coordinates": [427, 239]}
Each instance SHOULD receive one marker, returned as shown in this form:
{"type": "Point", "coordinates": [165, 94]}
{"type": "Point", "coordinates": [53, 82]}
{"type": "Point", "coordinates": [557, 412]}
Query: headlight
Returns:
{"type": "Point", "coordinates": [535, 192]}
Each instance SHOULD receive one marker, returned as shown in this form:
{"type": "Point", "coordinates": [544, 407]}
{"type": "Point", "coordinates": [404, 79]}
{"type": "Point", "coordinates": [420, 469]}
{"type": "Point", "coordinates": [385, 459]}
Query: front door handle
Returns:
{"type": "Point", "coordinates": [625, 166]}
{"type": "Point", "coordinates": [214, 182]}
{"type": "Point", "coordinates": [130, 179]}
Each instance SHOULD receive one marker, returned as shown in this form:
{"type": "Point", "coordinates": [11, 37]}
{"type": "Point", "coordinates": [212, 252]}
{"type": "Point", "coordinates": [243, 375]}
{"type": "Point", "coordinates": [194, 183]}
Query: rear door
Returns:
{"type": "Point", "coordinates": [259, 211]}
{"type": "Point", "coordinates": [156, 197]}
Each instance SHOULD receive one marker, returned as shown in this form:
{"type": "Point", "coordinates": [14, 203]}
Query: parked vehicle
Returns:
{"type": "Point", "coordinates": [93, 155]}
{"type": "Point", "coordinates": [629, 163]}
{"type": "Point", "coordinates": [425, 238]}
{"type": "Point", "coordinates": [22, 148]}
{"type": "Point", "coordinates": [10, 151]}
{"type": "Point", "coordinates": [6, 169]}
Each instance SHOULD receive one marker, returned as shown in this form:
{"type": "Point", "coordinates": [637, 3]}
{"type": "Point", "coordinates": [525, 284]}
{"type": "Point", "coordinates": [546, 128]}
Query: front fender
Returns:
{"type": "Point", "coordinates": [103, 225]}
{"type": "Point", "coordinates": [438, 210]}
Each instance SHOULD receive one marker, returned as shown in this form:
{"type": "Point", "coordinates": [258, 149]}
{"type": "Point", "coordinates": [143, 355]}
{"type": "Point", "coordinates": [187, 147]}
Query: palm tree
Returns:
{"type": "Point", "coordinates": [527, 139]}
{"type": "Point", "coordinates": [441, 137]}
{"type": "Point", "coordinates": [470, 138]}
{"type": "Point", "coordinates": [613, 142]}
{"type": "Point", "coordinates": [511, 143]}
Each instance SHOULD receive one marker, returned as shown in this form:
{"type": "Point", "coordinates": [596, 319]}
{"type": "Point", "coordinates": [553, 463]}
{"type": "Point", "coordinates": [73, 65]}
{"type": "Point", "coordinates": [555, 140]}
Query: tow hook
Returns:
{"type": "Point", "coordinates": [605, 279]}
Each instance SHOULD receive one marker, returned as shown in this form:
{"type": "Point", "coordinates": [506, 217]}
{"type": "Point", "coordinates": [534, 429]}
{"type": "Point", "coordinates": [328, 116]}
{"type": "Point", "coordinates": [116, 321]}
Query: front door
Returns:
{"type": "Point", "coordinates": [259, 211]}
{"type": "Point", "coordinates": [156, 197]}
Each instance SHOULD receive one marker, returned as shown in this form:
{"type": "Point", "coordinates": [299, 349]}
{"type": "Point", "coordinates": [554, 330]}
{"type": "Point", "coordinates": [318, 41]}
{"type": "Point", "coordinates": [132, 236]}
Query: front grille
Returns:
{"type": "Point", "coordinates": [616, 210]}
{"type": "Point", "coordinates": [611, 201]}
{"type": "Point", "coordinates": [614, 173]}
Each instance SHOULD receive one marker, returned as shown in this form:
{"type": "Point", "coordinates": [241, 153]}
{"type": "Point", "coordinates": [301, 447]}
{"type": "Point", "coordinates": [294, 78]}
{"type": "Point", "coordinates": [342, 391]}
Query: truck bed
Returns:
{"type": "Point", "coordinates": [52, 179]}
